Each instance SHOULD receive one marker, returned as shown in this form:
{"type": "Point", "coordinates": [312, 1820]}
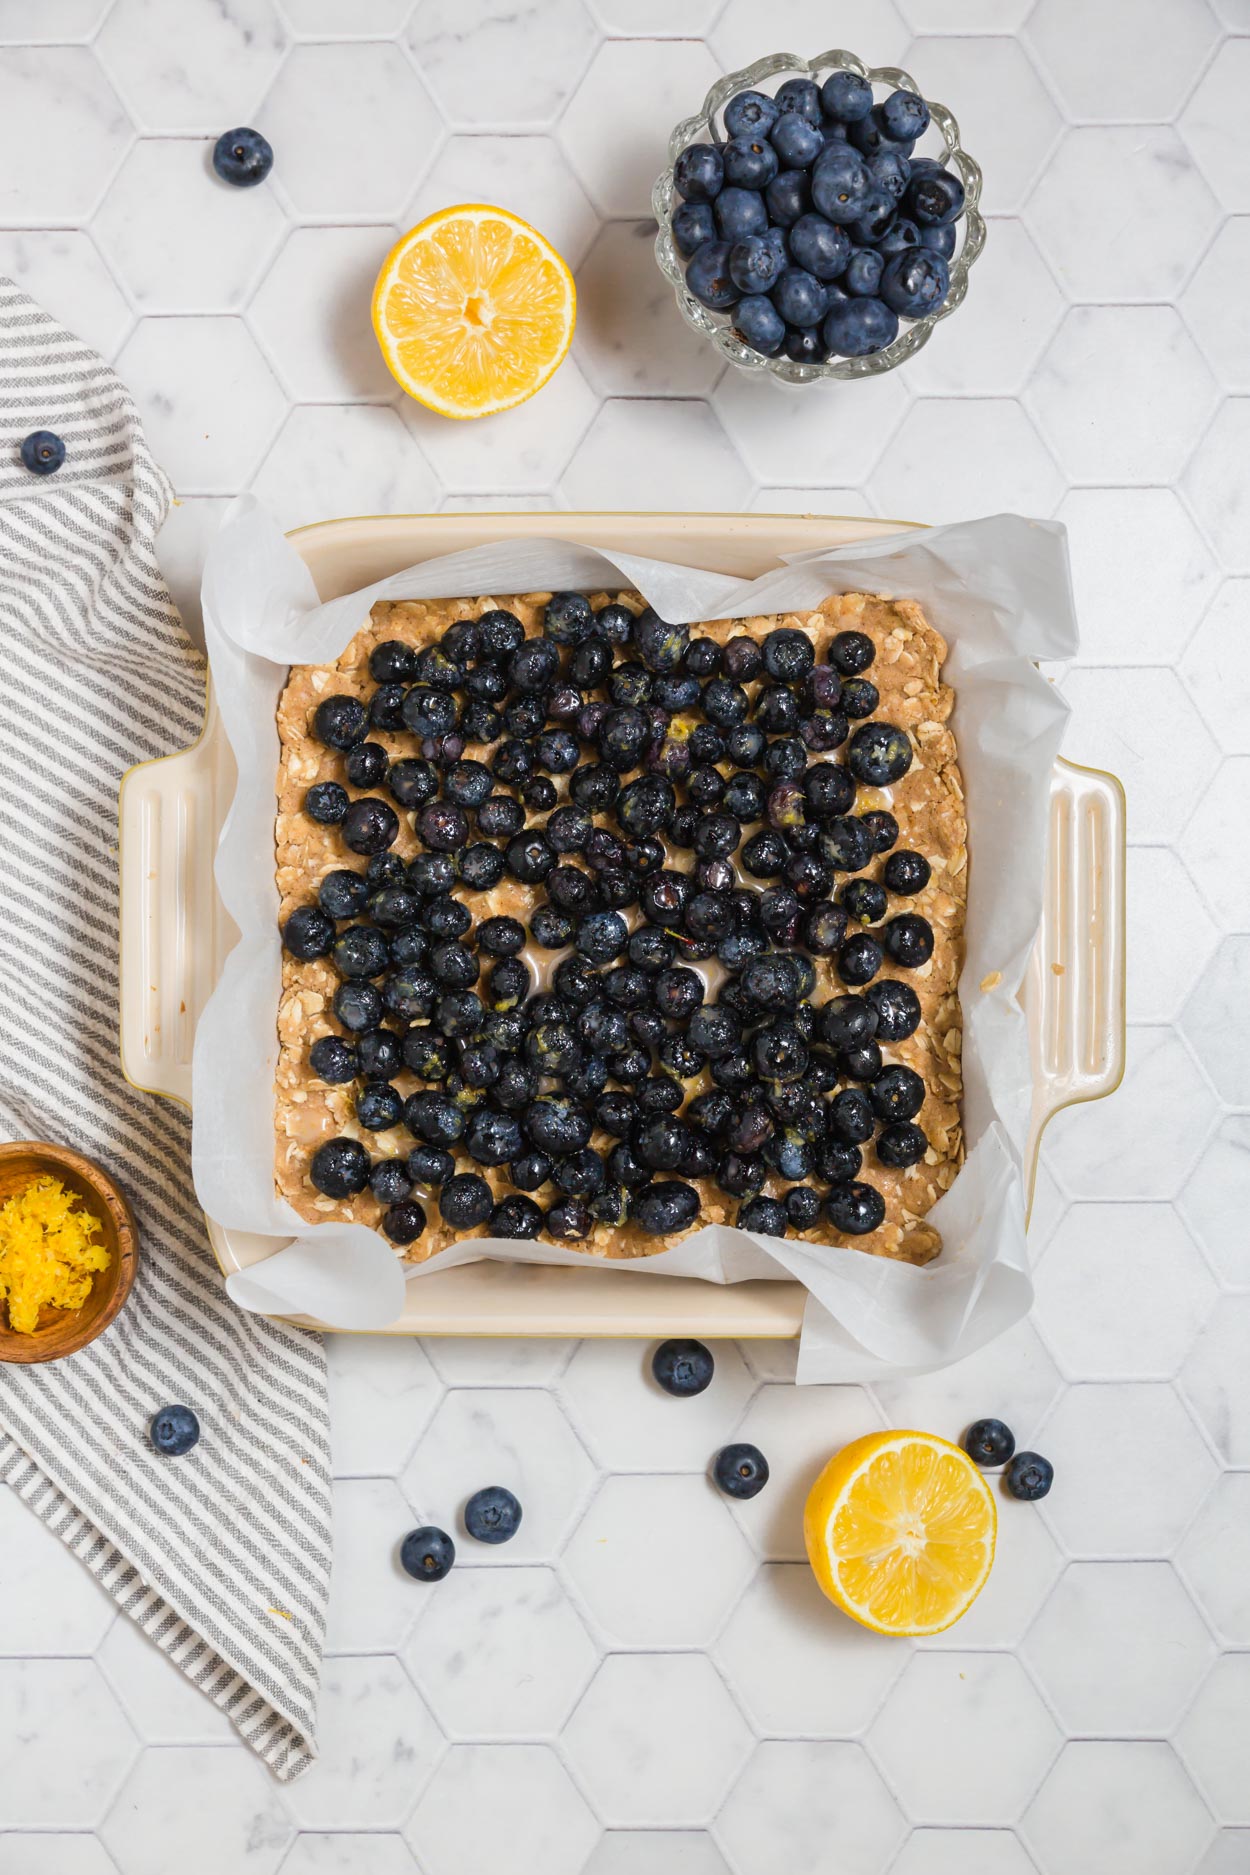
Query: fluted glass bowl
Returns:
{"type": "Point", "coordinates": [706, 127]}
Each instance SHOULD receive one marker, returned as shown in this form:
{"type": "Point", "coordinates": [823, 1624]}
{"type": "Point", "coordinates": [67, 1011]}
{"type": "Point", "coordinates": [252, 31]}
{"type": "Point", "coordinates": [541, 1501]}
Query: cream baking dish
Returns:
{"type": "Point", "coordinates": [175, 934]}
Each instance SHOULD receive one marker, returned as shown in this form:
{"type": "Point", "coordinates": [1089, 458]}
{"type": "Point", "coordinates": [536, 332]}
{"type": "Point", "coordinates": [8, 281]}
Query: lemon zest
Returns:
{"type": "Point", "coordinates": [48, 1252]}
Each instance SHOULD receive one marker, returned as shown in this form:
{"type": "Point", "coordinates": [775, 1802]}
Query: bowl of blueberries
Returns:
{"type": "Point", "coordinates": [821, 226]}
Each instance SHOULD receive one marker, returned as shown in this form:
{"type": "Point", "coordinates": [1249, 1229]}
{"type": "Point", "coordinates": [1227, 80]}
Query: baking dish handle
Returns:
{"type": "Point", "coordinates": [174, 933]}
{"type": "Point", "coordinates": [1074, 987]}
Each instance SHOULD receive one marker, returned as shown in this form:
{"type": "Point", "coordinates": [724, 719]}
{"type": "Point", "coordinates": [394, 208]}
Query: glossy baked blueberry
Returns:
{"type": "Point", "coordinates": [683, 1368]}
{"type": "Point", "coordinates": [242, 157]}
{"type": "Point", "coordinates": [766, 1217]}
{"type": "Point", "coordinates": [379, 1106]}
{"type": "Point", "coordinates": [664, 1208]}
{"type": "Point", "coordinates": [740, 1471]}
{"type": "Point", "coordinates": [1029, 1476]}
{"type": "Point", "coordinates": [989, 1442]}
{"type": "Point", "coordinates": [308, 932]}
{"type": "Point", "coordinates": [897, 1093]}
{"type": "Point", "coordinates": [340, 722]}
{"type": "Point", "coordinates": [906, 872]}
{"type": "Point", "coordinates": [332, 1060]}
{"type": "Point", "coordinates": [174, 1430]}
{"type": "Point", "coordinates": [340, 1168]}
{"type": "Point", "coordinates": [404, 1222]}
{"type": "Point", "coordinates": [366, 765]}
{"type": "Point", "coordinates": [465, 1201]}
{"type": "Point", "coordinates": [855, 1208]}
{"type": "Point", "coordinates": [390, 1181]}
{"type": "Point", "coordinates": [896, 1007]}
{"type": "Point", "coordinates": [492, 1515]}
{"type": "Point", "coordinates": [358, 1005]}
{"type": "Point", "coordinates": [802, 1204]}
{"type": "Point", "coordinates": [909, 940]}
{"type": "Point", "coordinates": [370, 825]}
{"type": "Point", "coordinates": [427, 1554]}
{"type": "Point", "coordinates": [516, 1216]}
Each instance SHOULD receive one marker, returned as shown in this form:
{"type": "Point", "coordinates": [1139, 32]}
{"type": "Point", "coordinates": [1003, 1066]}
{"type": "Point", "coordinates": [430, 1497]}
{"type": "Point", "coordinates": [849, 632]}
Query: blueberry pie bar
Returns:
{"type": "Point", "coordinates": [598, 928]}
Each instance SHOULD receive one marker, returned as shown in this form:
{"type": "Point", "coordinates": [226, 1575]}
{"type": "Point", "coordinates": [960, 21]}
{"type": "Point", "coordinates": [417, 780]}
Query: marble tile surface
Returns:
{"type": "Point", "coordinates": [647, 1682]}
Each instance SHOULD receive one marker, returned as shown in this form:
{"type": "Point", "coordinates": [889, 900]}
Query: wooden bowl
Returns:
{"type": "Point", "coordinates": [64, 1331]}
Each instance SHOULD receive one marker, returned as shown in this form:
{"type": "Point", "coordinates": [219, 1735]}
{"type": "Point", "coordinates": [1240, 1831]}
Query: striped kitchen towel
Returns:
{"type": "Point", "coordinates": [221, 1556]}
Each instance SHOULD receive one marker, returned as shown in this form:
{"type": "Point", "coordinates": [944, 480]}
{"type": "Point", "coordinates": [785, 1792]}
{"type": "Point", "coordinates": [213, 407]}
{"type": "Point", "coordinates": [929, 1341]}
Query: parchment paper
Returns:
{"type": "Point", "coordinates": [998, 589]}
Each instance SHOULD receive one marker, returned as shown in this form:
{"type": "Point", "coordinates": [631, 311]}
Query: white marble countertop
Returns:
{"type": "Point", "coordinates": [644, 1682]}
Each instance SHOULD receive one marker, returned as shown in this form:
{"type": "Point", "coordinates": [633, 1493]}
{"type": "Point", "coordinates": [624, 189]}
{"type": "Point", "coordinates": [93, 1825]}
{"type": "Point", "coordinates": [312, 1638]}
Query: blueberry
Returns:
{"type": "Point", "coordinates": [858, 327]}
{"type": "Point", "coordinates": [855, 1209]}
{"type": "Point", "coordinates": [332, 1060]}
{"type": "Point", "coordinates": [915, 282]}
{"type": "Point", "coordinates": [340, 722]}
{"type": "Point", "coordinates": [750, 162]}
{"type": "Point", "coordinates": [759, 325]}
{"type": "Point", "coordinates": [802, 1206]}
{"type": "Point", "coordinates": [989, 1442]}
{"type": "Point", "coordinates": [788, 196]}
{"type": "Point", "coordinates": [358, 1005]}
{"type": "Point", "coordinates": [900, 234]}
{"type": "Point", "coordinates": [570, 1219]}
{"type": "Point", "coordinates": [877, 213]}
{"type": "Point", "coordinates": [862, 274]}
{"type": "Point", "coordinates": [42, 452]}
{"type": "Point", "coordinates": [765, 1216]}
{"type": "Point", "coordinates": [882, 829]}
{"type": "Point", "coordinates": [901, 1145]}
{"type": "Point", "coordinates": [366, 765]}
{"type": "Point", "coordinates": [360, 951]}
{"type": "Point", "coordinates": [427, 1554]}
{"type": "Point", "coordinates": [342, 893]}
{"type": "Point", "coordinates": [660, 1210]}
{"type": "Point", "coordinates": [390, 1182]}
{"type": "Point", "coordinates": [693, 225]}
{"type": "Point", "coordinates": [818, 246]}
{"type": "Point", "coordinates": [891, 171]}
{"type": "Point", "coordinates": [864, 899]}
{"type": "Point", "coordinates": [683, 1368]}
{"type": "Point", "coordinates": [800, 297]}
{"type": "Point", "coordinates": [940, 239]}
{"type": "Point", "coordinates": [403, 1223]}
{"type": "Point", "coordinates": [174, 1430]}
{"type": "Point", "coordinates": [897, 1009]}
{"type": "Point", "coordinates": [699, 173]}
{"type": "Point", "coordinates": [740, 1471]}
{"type": "Point", "coordinates": [909, 940]}
{"type": "Point", "coordinates": [557, 1126]}
{"type": "Point", "coordinates": [934, 198]}
{"type": "Point", "coordinates": [905, 116]}
{"type": "Point", "coordinates": [660, 644]}
{"type": "Point", "coordinates": [796, 142]}
{"type": "Point", "coordinates": [859, 959]}
{"type": "Point", "coordinates": [871, 138]}
{"type": "Point", "coordinates": [749, 113]}
{"type": "Point", "coordinates": [515, 1216]}
{"type": "Point", "coordinates": [804, 347]}
{"type": "Point", "coordinates": [852, 652]}
{"type": "Point", "coordinates": [465, 1201]}
{"type": "Point", "coordinates": [1029, 1476]}
{"type": "Point", "coordinates": [739, 212]}
{"type": "Point", "coordinates": [801, 95]}
{"type": "Point", "coordinates": [879, 755]}
{"type": "Point", "coordinates": [529, 857]}
{"type": "Point", "coordinates": [378, 1106]}
{"type": "Point", "coordinates": [492, 1515]}
{"type": "Point", "coordinates": [846, 97]}
{"type": "Point", "coordinates": [370, 825]}
{"type": "Point", "coordinates": [906, 873]}
{"type": "Point", "coordinates": [840, 184]}
{"type": "Point", "coordinates": [897, 1094]}
{"type": "Point", "coordinates": [340, 1168]}
{"type": "Point", "coordinates": [859, 698]}
{"type": "Point", "coordinates": [846, 843]}
{"type": "Point", "coordinates": [753, 264]}
{"type": "Point", "coordinates": [492, 1138]}
{"type": "Point", "coordinates": [308, 932]}
{"type": "Point", "coordinates": [242, 157]}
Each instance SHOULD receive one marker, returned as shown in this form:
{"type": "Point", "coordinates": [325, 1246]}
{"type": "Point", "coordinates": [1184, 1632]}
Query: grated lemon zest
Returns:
{"type": "Point", "coordinates": [47, 1252]}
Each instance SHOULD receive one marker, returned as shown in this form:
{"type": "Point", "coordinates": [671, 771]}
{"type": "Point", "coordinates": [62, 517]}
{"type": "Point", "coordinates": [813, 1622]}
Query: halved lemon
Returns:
{"type": "Point", "coordinates": [473, 310]}
{"type": "Point", "coordinates": [900, 1531]}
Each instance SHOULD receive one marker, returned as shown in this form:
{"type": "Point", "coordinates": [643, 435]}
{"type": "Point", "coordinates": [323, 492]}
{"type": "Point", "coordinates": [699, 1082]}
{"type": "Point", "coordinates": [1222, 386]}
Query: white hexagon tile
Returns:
{"type": "Point", "coordinates": [647, 1680]}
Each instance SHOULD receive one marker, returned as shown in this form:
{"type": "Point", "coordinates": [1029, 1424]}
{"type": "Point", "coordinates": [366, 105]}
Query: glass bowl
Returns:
{"type": "Point", "coordinates": [706, 127]}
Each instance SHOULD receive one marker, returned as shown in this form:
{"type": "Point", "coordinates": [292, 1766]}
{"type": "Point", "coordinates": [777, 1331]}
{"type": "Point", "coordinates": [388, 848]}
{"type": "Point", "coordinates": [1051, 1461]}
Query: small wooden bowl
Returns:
{"type": "Point", "coordinates": [64, 1331]}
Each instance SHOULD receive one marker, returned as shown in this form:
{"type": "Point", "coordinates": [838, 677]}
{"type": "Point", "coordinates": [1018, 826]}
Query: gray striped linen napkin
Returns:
{"type": "Point", "coordinates": [223, 1555]}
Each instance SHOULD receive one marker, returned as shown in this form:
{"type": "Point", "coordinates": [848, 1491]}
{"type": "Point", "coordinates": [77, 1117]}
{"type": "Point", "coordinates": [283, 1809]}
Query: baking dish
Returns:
{"type": "Point", "coordinates": [175, 934]}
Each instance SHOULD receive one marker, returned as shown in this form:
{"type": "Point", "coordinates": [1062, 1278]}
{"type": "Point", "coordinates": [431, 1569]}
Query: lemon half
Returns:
{"type": "Point", "coordinates": [900, 1530]}
{"type": "Point", "coordinates": [473, 310]}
